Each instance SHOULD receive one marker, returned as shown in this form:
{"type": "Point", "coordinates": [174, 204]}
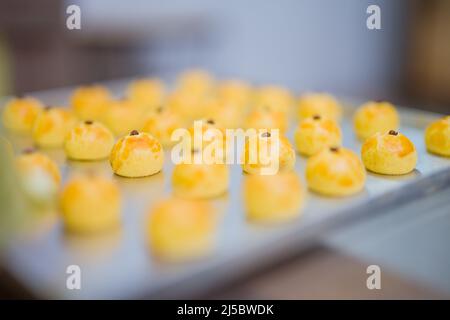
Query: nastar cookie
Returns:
{"type": "Point", "coordinates": [335, 171]}
{"type": "Point", "coordinates": [389, 153]}
{"type": "Point", "coordinates": [138, 154]}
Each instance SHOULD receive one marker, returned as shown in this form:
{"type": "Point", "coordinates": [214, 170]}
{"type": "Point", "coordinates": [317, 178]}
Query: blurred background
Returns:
{"type": "Point", "coordinates": [302, 44]}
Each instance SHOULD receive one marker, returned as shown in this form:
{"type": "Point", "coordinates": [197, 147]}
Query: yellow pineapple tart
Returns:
{"type": "Point", "coordinates": [89, 140]}
{"type": "Point", "coordinates": [373, 117]}
{"type": "Point", "coordinates": [122, 116]}
{"type": "Point", "coordinates": [437, 137]}
{"type": "Point", "coordinates": [39, 175]}
{"type": "Point", "coordinates": [316, 133]}
{"type": "Point", "coordinates": [267, 119]}
{"type": "Point", "coordinates": [335, 172]}
{"type": "Point", "coordinates": [236, 93]}
{"type": "Point", "coordinates": [273, 98]}
{"type": "Point", "coordinates": [20, 114]}
{"type": "Point", "coordinates": [267, 154]}
{"type": "Point", "coordinates": [180, 229]}
{"type": "Point", "coordinates": [321, 104]}
{"type": "Point", "coordinates": [137, 155]}
{"type": "Point", "coordinates": [146, 93]}
{"type": "Point", "coordinates": [389, 153]}
{"type": "Point", "coordinates": [200, 181]}
{"type": "Point", "coordinates": [273, 198]}
{"type": "Point", "coordinates": [161, 124]}
{"type": "Point", "coordinates": [90, 204]}
{"type": "Point", "coordinates": [90, 102]}
{"type": "Point", "coordinates": [52, 127]}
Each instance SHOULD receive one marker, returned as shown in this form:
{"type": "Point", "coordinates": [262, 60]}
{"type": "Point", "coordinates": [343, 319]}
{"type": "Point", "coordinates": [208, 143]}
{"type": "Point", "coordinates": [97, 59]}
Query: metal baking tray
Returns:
{"type": "Point", "coordinates": [120, 265]}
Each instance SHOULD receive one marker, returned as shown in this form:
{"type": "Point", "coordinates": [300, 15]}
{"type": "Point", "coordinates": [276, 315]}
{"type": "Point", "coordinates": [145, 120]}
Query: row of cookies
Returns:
{"type": "Point", "coordinates": [91, 141]}
{"type": "Point", "coordinates": [332, 171]}
{"type": "Point", "coordinates": [91, 203]}
{"type": "Point", "coordinates": [147, 107]}
{"type": "Point", "coordinates": [196, 95]}
{"type": "Point", "coordinates": [180, 227]}
{"type": "Point", "coordinates": [266, 197]}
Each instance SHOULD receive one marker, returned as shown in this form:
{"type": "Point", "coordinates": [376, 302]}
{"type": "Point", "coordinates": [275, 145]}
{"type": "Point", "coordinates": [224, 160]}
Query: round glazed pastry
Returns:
{"type": "Point", "coordinates": [146, 93]}
{"type": "Point", "coordinates": [161, 124]}
{"type": "Point", "coordinates": [273, 198]}
{"type": "Point", "coordinates": [259, 158]}
{"type": "Point", "coordinates": [315, 133]}
{"type": "Point", "coordinates": [274, 98]}
{"type": "Point", "coordinates": [321, 104]}
{"type": "Point", "coordinates": [200, 181]}
{"type": "Point", "coordinates": [389, 153]}
{"type": "Point", "coordinates": [52, 126]}
{"type": "Point", "coordinates": [180, 229]}
{"type": "Point", "coordinates": [31, 160]}
{"type": "Point", "coordinates": [236, 93]}
{"type": "Point", "coordinates": [188, 106]}
{"type": "Point", "coordinates": [206, 134]}
{"type": "Point", "coordinates": [137, 155]}
{"type": "Point", "coordinates": [90, 204]}
{"type": "Point", "coordinates": [89, 140]}
{"type": "Point", "coordinates": [90, 102]}
{"type": "Point", "coordinates": [122, 117]}
{"type": "Point", "coordinates": [195, 82]}
{"type": "Point", "coordinates": [19, 114]}
{"type": "Point", "coordinates": [228, 114]}
{"type": "Point", "coordinates": [335, 172]}
{"type": "Point", "coordinates": [39, 175]}
{"type": "Point", "coordinates": [437, 137]}
{"type": "Point", "coordinates": [373, 117]}
{"type": "Point", "coordinates": [266, 119]}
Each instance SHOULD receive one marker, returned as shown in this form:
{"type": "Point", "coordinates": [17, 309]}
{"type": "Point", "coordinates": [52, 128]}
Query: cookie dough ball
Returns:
{"type": "Point", "coordinates": [236, 93]}
{"type": "Point", "coordinates": [316, 133]}
{"type": "Point", "coordinates": [123, 116]}
{"type": "Point", "coordinates": [187, 105]}
{"type": "Point", "coordinates": [39, 175]}
{"type": "Point", "coordinates": [200, 181]}
{"type": "Point", "coordinates": [335, 172]}
{"type": "Point", "coordinates": [181, 229]}
{"type": "Point", "coordinates": [31, 160]}
{"type": "Point", "coordinates": [90, 102]}
{"type": "Point", "coordinates": [321, 104]}
{"type": "Point", "coordinates": [89, 140]}
{"type": "Point", "coordinates": [373, 117]}
{"type": "Point", "coordinates": [389, 153]}
{"type": "Point", "coordinates": [437, 137]}
{"type": "Point", "coordinates": [266, 119]}
{"type": "Point", "coordinates": [260, 157]}
{"type": "Point", "coordinates": [90, 204]}
{"type": "Point", "coordinates": [161, 124]}
{"type": "Point", "coordinates": [146, 93]}
{"type": "Point", "coordinates": [19, 114]}
{"type": "Point", "coordinates": [52, 126]}
{"type": "Point", "coordinates": [195, 82]}
{"type": "Point", "coordinates": [137, 155]}
{"type": "Point", "coordinates": [273, 198]}
{"type": "Point", "coordinates": [228, 114]}
{"type": "Point", "coordinates": [274, 98]}
{"type": "Point", "coordinates": [207, 137]}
